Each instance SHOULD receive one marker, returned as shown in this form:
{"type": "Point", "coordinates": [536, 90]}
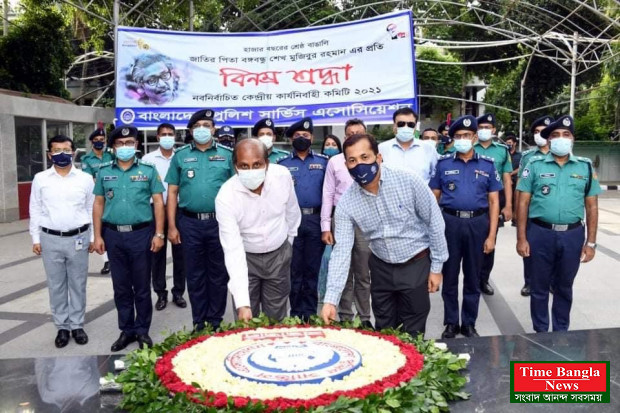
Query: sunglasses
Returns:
{"type": "Point", "coordinates": [401, 124]}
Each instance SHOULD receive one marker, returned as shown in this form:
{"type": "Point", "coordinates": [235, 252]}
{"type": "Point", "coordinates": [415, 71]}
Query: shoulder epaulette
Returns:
{"type": "Point", "coordinates": [500, 144]}
{"type": "Point", "coordinates": [104, 164]}
{"type": "Point", "coordinates": [188, 145]}
{"type": "Point", "coordinates": [487, 158]}
{"type": "Point", "coordinates": [531, 150]}
{"type": "Point", "coordinates": [443, 157]}
{"type": "Point", "coordinates": [320, 155]}
{"type": "Point", "coordinates": [536, 158]}
{"type": "Point", "coordinates": [583, 159]}
{"type": "Point", "coordinates": [217, 145]}
{"type": "Point", "coordinates": [147, 163]}
{"type": "Point", "coordinates": [282, 158]}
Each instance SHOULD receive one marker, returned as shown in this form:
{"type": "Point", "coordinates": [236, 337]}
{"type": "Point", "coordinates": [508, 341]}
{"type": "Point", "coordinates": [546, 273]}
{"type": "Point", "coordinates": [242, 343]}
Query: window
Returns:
{"type": "Point", "coordinates": [29, 149]}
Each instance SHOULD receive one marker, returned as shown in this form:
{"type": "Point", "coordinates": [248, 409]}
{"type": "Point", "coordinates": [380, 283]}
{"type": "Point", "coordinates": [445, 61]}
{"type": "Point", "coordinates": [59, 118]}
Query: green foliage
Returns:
{"type": "Point", "coordinates": [438, 79]}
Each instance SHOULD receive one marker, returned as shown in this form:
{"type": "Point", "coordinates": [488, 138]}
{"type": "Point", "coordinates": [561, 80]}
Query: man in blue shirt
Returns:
{"type": "Point", "coordinates": [308, 171]}
{"type": "Point", "coordinates": [466, 185]}
{"type": "Point", "coordinates": [396, 211]}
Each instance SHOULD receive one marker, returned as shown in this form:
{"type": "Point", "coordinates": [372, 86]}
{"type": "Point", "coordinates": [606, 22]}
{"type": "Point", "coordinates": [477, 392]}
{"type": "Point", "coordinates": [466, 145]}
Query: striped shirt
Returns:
{"type": "Point", "coordinates": [402, 220]}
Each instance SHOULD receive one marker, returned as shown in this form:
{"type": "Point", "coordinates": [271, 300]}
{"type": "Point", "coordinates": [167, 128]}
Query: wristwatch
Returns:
{"type": "Point", "coordinates": [591, 245]}
{"type": "Point", "coordinates": [161, 236]}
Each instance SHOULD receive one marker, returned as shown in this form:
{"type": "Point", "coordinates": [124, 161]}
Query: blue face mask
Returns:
{"type": "Point", "coordinates": [561, 146]}
{"type": "Point", "coordinates": [462, 145]}
{"type": "Point", "coordinates": [166, 142]}
{"type": "Point", "coordinates": [125, 153]}
{"type": "Point", "coordinates": [62, 160]}
{"type": "Point", "coordinates": [331, 151]}
{"type": "Point", "coordinates": [405, 134]}
{"type": "Point", "coordinates": [364, 173]}
{"type": "Point", "coordinates": [202, 135]}
{"type": "Point", "coordinates": [98, 145]}
{"type": "Point", "coordinates": [484, 134]}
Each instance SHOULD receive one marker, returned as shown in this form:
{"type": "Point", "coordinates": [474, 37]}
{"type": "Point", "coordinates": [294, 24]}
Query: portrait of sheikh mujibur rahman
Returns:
{"type": "Point", "coordinates": [152, 79]}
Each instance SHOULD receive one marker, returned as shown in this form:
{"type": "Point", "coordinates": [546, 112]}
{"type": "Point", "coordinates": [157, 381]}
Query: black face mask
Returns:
{"type": "Point", "coordinates": [98, 145]}
{"type": "Point", "coordinates": [301, 144]}
{"type": "Point", "coordinates": [230, 143]}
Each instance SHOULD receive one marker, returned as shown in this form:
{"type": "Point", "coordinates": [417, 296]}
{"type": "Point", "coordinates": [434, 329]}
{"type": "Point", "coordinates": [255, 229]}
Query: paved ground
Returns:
{"type": "Point", "coordinates": [26, 329]}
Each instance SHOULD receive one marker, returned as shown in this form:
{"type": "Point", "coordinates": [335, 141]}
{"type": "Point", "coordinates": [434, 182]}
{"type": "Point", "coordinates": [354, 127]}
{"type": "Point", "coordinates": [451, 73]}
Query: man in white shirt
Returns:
{"type": "Point", "coordinates": [161, 159]}
{"type": "Point", "coordinates": [258, 217]}
{"type": "Point", "coordinates": [405, 152]}
{"type": "Point", "coordinates": [61, 204]}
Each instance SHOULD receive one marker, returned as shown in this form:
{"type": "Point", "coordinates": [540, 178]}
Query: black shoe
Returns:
{"type": "Point", "coordinates": [179, 301]}
{"type": "Point", "coordinates": [123, 341]}
{"type": "Point", "coordinates": [162, 300]}
{"type": "Point", "coordinates": [106, 268]}
{"type": "Point", "coordinates": [79, 335]}
{"type": "Point", "coordinates": [525, 291]}
{"type": "Point", "coordinates": [144, 340]}
{"type": "Point", "coordinates": [514, 223]}
{"type": "Point", "coordinates": [486, 288]}
{"type": "Point", "coordinates": [367, 324]}
{"type": "Point", "coordinates": [469, 331]}
{"type": "Point", "coordinates": [451, 331]}
{"type": "Point", "coordinates": [551, 289]}
{"type": "Point", "coordinates": [62, 338]}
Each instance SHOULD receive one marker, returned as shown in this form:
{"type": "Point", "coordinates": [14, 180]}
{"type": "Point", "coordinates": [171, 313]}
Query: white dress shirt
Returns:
{"type": "Point", "coordinates": [420, 157]}
{"type": "Point", "coordinates": [255, 223]}
{"type": "Point", "coordinates": [61, 203]}
{"type": "Point", "coordinates": [161, 164]}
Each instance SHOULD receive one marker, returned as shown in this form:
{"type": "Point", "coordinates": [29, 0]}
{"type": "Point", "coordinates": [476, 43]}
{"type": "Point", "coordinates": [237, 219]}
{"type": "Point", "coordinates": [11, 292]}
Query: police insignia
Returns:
{"type": "Point", "coordinates": [190, 160]}
{"type": "Point", "coordinates": [268, 122]}
{"type": "Point", "coordinates": [139, 178]}
{"type": "Point", "coordinates": [497, 176]}
{"type": "Point", "coordinates": [190, 173]}
{"type": "Point", "coordinates": [466, 123]}
{"type": "Point", "coordinates": [451, 186]}
{"type": "Point", "coordinates": [547, 121]}
{"type": "Point", "coordinates": [490, 118]}
{"type": "Point", "coordinates": [306, 125]}
{"type": "Point", "coordinates": [315, 166]}
{"type": "Point", "coordinates": [109, 194]}
{"type": "Point", "coordinates": [566, 122]}
{"type": "Point", "coordinates": [545, 190]}
{"type": "Point", "coordinates": [217, 158]}
{"type": "Point", "coordinates": [526, 173]}
{"type": "Point", "coordinates": [125, 131]}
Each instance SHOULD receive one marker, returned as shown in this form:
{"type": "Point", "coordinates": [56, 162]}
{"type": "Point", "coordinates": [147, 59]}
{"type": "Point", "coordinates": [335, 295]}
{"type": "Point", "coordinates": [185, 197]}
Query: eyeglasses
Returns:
{"type": "Point", "coordinates": [127, 144]}
{"type": "Point", "coordinates": [463, 136]}
{"type": "Point", "coordinates": [154, 80]}
{"type": "Point", "coordinates": [59, 151]}
{"type": "Point", "coordinates": [401, 124]}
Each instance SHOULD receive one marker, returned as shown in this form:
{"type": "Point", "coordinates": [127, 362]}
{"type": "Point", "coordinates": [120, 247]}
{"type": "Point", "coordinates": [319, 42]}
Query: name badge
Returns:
{"type": "Point", "coordinates": [315, 166]}
{"type": "Point", "coordinates": [139, 178]}
{"type": "Point", "coordinates": [110, 178]}
{"type": "Point", "coordinates": [452, 172]}
{"type": "Point", "coordinates": [548, 175]}
{"type": "Point", "coordinates": [217, 158]}
{"type": "Point", "coordinates": [190, 160]}
{"type": "Point", "coordinates": [293, 168]}
{"type": "Point", "coordinates": [79, 244]}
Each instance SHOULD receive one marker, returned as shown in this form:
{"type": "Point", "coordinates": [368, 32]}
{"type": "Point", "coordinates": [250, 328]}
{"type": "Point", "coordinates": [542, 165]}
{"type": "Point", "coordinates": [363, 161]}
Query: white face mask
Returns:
{"type": "Point", "coordinates": [539, 140]}
{"type": "Point", "coordinates": [252, 178]}
{"type": "Point", "coordinates": [405, 134]}
{"type": "Point", "coordinates": [484, 134]}
{"type": "Point", "coordinates": [267, 140]}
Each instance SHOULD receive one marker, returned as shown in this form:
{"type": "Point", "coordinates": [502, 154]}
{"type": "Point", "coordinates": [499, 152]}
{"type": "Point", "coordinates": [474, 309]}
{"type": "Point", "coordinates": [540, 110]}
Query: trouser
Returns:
{"type": "Point", "coordinates": [465, 238]}
{"type": "Point", "coordinates": [305, 266]}
{"type": "Point", "coordinates": [269, 277]}
{"type": "Point", "coordinates": [488, 260]}
{"type": "Point", "coordinates": [400, 294]}
{"type": "Point", "coordinates": [66, 268]}
{"type": "Point", "coordinates": [130, 265]}
{"type": "Point", "coordinates": [158, 271]}
{"type": "Point", "coordinates": [357, 288]}
{"type": "Point", "coordinates": [205, 271]}
{"type": "Point", "coordinates": [554, 257]}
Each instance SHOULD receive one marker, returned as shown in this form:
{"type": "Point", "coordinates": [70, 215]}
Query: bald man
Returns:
{"type": "Point", "coordinates": [258, 217]}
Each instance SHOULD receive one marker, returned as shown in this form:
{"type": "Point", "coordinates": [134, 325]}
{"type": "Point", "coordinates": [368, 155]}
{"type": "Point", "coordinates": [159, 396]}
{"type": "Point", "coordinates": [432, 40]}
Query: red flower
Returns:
{"type": "Point", "coordinates": [241, 402]}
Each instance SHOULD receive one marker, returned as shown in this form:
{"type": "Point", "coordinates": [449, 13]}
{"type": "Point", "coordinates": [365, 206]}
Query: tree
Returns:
{"type": "Point", "coordinates": [438, 79]}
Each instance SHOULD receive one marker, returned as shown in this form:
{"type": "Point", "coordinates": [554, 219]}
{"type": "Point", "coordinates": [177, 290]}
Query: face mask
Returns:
{"type": "Point", "coordinates": [98, 145]}
{"type": "Point", "coordinates": [229, 143]}
{"type": "Point", "coordinates": [364, 173]}
{"type": "Point", "coordinates": [561, 146]}
{"type": "Point", "coordinates": [539, 140]}
{"type": "Point", "coordinates": [166, 142]}
{"type": "Point", "coordinates": [202, 135]}
{"type": "Point", "coordinates": [62, 160]}
{"type": "Point", "coordinates": [252, 178]}
{"type": "Point", "coordinates": [267, 140]}
{"type": "Point", "coordinates": [301, 144]}
{"type": "Point", "coordinates": [125, 153]}
{"type": "Point", "coordinates": [509, 146]}
{"type": "Point", "coordinates": [405, 134]}
{"type": "Point", "coordinates": [446, 140]}
{"type": "Point", "coordinates": [331, 151]}
{"type": "Point", "coordinates": [462, 145]}
{"type": "Point", "coordinates": [484, 134]}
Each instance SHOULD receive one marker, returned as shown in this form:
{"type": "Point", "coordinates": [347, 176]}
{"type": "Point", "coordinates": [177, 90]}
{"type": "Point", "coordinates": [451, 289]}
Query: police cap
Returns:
{"type": "Point", "coordinates": [564, 122]}
{"type": "Point", "coordinates": [124, 131]}
{"type": "Point", "coordinates": [486, 118]}
{"type": "Point", "coordinates": [225, 130]}
{"type": "Point", "coordinates": [303, 125]}
{"type": "Point", "coordinates": [542, 121]}
{"type": "Point", "coordinates": [204, 114]}
{"type": "Point", "coordinates": [96, 132]}
{"type": "Point", "coordinates": [466, 122]}
{"type": "Point", "coordinates": [263, 123]}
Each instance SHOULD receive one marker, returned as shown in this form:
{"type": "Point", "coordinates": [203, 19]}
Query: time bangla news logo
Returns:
{"type": "Point", "coordinates": [559, 382]}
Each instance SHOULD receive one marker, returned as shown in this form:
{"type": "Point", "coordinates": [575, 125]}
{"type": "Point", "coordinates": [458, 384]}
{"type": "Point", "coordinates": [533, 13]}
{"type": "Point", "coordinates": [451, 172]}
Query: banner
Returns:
{"type": "Point", "coordinates": [363, 69]}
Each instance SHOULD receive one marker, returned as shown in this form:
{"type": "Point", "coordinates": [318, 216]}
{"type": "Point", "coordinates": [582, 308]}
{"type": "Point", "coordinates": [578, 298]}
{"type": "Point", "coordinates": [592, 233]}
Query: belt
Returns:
{"type": "Point", "coordinates": [465, 214]}
{"type": "Point", "coordinates": [556, 227]}
{"type": "Point", "coordinates": [126, 228]}
{"type": "Point", "coordinates": [310, 211]}
{"type": "Point", "coordinates": [416, 257]}
{"type": "Point", "coordinates": [203, 216]}
{"type": "Point", "coordinates": [69, 233]}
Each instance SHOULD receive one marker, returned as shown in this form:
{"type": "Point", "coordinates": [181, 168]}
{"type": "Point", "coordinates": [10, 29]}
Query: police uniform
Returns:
{"type": "Point", "coordinates": [555, 230]}
{"type": "Point", "coordinates": [91, 162]}
{"type": "Point", "coordinates": [464, 202]}
{"type": "Point", "coordinates": [308, 175]}
{"type": "Point", "coordinates": [226, 136]}
{"type": "Point", "coordinates": [503, 165]}
{"type": "Point", "coordinates": [199, 176]}
{"type": "Point", "coordinates": [127, 230]}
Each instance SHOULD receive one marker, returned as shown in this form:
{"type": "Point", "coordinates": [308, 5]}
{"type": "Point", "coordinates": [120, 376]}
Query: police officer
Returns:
{"type": "Point", "coordinates": [446, 144]}
{"type": "Point", "coordinates": [225, 136]}
{"type": "Point", "coordinates": [503, 165]}
{"type": "Point", "coordinates": [123, 223]}
{"type": "Point", "coordinates": [91, 162]}
{"type": "Point", "coordinates": [466, 185]}
{"type": "Point", "coordinates": [541, 148]}
{"type": "Point", "coordinates": [196, 173]}
{"type": "Point", "coordinates": [555, 190]}
{"type": "Point", "coordinates": [265, 131]}
{"type": "Point", "coordinates": [308, 170]}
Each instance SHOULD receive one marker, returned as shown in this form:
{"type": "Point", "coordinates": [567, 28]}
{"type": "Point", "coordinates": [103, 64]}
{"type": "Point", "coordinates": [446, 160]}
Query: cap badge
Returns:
{"type": "Point", "coordinates": [566, 122]}
{"type": "Point", "coordinates": [125, 131]}
{"type": "Point", "coordinates": [547, 121]}
{"type": "Point", "coordinates": [466, 123]}
{"type": "Point", "coordinates": [268, 122]}
{"type": "Point", "coordinates": [490, 118]}
{"type": "Point", "coordinates": [306, 125]}
{"type": "Point", "coordinates": [209, 114]}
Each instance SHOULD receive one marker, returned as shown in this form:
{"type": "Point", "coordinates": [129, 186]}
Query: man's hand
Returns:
{"type": "Point", "coordinates": [434, 281]}
{"type": "Point", "coordinates": [99, 245]}
{"type": "Point", "coordinates": [244, 314]}
{"type": "Point", "coordinates": [36, 248]}
{"type": "Point", "coordinates": [91, 247]}
{"type": "Point", "coordinates": [156, 244]}
{"type": "Point", "coordinates": [327, 238]}
{"type": "Point", "coordinates": [507, 213]}
{"type": "Point", "coordinates": [587, 253]}
{"type": "Point", "coordinates": [173, 235]}
{"type": "Point", "coordinates": [328, 313]}
{"type": "Point", "coordinates": [523, 248]}
{"type": "Point", "coordinates": [489, 245]}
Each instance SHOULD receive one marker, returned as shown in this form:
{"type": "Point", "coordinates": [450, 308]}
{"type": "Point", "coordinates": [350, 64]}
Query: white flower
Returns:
{"type": "Point", "coordinates": [464, 356]}
{"type": "Point", "coordinates": [441, 346]}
